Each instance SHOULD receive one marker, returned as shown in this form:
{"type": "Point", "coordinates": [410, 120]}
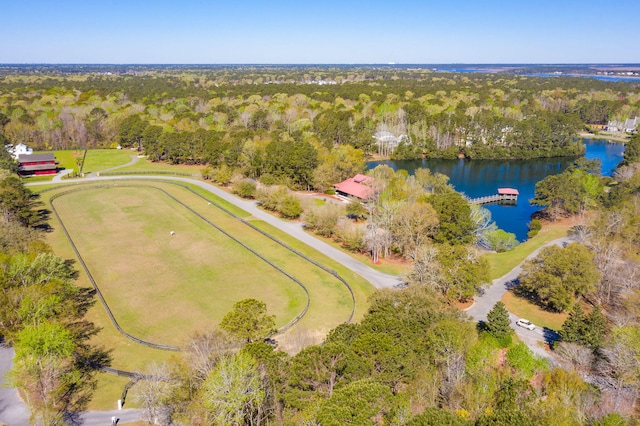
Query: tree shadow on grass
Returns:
{"type": "Point", "coordinates": [532, 297]}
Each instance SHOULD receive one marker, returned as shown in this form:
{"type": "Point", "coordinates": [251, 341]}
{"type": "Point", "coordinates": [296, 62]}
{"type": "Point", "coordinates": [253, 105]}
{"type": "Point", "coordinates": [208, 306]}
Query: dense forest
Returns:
{"type": "Point", "coordinates": [228, 115]}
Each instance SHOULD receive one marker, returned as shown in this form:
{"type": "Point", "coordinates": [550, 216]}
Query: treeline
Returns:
{"type": "Point", "coordinates": [42, 311]}
{"type": "Point", "coordinates": [439, 114]}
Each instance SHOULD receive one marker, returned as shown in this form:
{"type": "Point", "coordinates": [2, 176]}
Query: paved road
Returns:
{"type": "Point", "coordinates": [483, 304]}
{"type": "Point", "coordinates": [13, 411]}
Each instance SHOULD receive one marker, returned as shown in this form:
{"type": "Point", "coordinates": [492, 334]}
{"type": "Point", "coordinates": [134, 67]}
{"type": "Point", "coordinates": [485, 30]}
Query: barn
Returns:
{"type": "Point", "coordinates": [37, 164]}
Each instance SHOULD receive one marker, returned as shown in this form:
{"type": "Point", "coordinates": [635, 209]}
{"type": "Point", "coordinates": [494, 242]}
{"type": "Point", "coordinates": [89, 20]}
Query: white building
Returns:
{"type": "Point", "coordinates": [20, 149]}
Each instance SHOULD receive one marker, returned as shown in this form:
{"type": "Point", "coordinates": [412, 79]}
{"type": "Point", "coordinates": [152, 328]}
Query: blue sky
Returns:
{"type": "Point", "coordinates": [345, 32]}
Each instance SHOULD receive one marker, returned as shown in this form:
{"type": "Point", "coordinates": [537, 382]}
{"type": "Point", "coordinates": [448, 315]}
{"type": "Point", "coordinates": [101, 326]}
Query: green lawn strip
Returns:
{"type": "Point", "coordinates": [221, 202]}
{"type": "Point", "coordinates": [43, 178]}
{"type": "Point", "coordinates": [399, 269]}
{"type": "Point", "coordinates": [102, 159]}
{"type": "Point", "coordinates": [361, 287]}
{"type": "Point", "coordinates": [502, 263]}
{"type": "Point", "coordinates": [144, 165]}
{"type": "Point", "coordinates": [524, 308]}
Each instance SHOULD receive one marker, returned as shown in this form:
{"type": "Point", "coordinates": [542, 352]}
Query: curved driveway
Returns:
{"type": "Point", "coordinates": [482, 304]}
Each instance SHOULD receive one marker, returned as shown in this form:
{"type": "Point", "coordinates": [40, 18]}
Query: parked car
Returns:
{"type": "Point", "coordinates": [526, 324]}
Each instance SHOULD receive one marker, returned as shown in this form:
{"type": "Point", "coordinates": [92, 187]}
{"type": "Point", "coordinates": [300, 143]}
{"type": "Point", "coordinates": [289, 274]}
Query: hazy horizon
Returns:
{"type": "Point", "coordinates": [333, 32]}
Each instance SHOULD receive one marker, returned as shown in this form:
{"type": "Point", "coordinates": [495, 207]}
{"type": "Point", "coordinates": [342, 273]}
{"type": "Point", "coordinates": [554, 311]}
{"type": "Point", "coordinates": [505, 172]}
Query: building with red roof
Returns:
{"type": "Point", "coordinates": [37, 164]}
{"type": "Point", "coordinates": [508, 191]}
{"type": "Point", "coordinates": [355, 187]}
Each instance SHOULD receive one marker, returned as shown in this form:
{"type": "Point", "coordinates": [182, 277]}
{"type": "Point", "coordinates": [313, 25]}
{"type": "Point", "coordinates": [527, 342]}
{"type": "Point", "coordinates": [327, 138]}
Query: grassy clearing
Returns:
{"type": "Point", "coordinates": [151, 279]}
{"type": "Point", "coordinates": [144, 165]}
{"type": "Point", "coordinates": [502, 263]}
{"type": "Point", "coordinates": [523, 308]}
{"type": "Point", "coordinates": [93, 210]}
{"type": "Point", "coordinates": [102, 159]}
{"type": "Point", "coordinates": [67, 159]}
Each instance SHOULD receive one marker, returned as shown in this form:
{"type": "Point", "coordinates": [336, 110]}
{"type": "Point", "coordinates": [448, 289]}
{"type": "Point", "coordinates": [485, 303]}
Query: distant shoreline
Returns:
{"type": "Point", "coordinates": [607, 137]}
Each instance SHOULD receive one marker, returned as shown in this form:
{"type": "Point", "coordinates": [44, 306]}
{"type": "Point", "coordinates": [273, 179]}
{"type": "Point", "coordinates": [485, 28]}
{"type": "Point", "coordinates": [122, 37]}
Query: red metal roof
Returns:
{"type": "Point", "coordinates": [354, 187]}
{"type": "Point", "coordinates": [508, 191]}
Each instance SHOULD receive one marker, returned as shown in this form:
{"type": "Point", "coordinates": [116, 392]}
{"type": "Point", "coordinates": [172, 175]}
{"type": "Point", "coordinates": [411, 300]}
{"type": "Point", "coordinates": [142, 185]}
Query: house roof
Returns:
{"type": "Point", "coordinates": [508, 191]}
{"type": "Point", "coordinates": [354, 186]}
{"type": "Point", "coordinates": [28, 158]}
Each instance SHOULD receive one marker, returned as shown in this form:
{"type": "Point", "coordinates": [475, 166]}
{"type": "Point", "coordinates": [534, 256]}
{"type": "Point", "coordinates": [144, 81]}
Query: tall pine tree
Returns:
{"type": "Point", "coordinates": [499, 323]}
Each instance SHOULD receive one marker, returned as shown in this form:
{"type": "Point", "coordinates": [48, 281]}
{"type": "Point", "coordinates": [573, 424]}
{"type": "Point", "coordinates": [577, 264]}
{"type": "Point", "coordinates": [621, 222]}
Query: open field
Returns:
{"type": "Point", "coordinates": [160, 287]}
{"type": "Point", "coordinates": [144, 165]}
{"type": "Point", "coordinates": [102, 159]}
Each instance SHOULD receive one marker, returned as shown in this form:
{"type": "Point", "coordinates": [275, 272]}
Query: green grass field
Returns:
{"type": "Point", "coordinates": [102, 159]}
{"type": "Point", "coordinates": [161, 287]}
{"type": "Point", "coordinates": [144, 165]}
{"type": "Point", "coordinates": [164, 288]}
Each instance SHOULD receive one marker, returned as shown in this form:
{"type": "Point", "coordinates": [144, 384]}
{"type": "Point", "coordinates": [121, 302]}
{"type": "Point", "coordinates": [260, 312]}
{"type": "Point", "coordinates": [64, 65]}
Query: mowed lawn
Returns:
{"type": "Point", "coordinates": [162, 287]}
{"type": "Point", "coordinates": [103, 159]}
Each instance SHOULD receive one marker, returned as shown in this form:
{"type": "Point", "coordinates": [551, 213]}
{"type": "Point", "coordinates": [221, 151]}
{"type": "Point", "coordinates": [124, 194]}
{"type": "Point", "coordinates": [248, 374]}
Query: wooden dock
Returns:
{"type": "Point", "coordinates": [504, 196]}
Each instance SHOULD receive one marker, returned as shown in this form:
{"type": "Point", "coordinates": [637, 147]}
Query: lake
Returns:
{"type": "Point", "coordinates": [476, 178]}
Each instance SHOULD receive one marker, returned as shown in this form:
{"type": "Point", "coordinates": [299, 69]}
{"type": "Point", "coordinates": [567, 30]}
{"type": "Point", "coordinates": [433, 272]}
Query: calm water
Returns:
{"type": "Point", "coordinates": [477, 178]}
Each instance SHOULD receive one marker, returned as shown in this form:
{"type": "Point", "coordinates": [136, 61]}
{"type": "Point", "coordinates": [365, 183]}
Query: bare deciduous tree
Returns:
{"type": "Point", "coordinates": [152, 392]}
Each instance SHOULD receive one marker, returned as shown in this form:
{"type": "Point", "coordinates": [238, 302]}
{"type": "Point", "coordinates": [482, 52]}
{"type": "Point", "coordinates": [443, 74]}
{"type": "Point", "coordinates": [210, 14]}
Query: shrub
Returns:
{"type": "Point", "coordinates": [245, 188]}
{"type": "Point", "coordinates": [350, 235]}
{"type": "Point", "coordinates": [524, 361]}
{"type": "Point", "coordinates": [534, 227]}
{"type": "Point", "coordinates": [323, 219]}
{"type": "Point", "coordinates": [502, 241]}
{"type": "Point", "coordinates": [279, 199]}
{"type": "Point", "coordinates": [290, 206]}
